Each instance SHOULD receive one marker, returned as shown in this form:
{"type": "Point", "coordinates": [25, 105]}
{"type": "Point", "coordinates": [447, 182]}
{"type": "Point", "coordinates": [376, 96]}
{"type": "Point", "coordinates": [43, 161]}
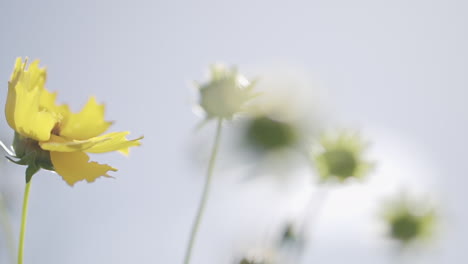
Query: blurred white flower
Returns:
{"type": "Point", "coordinates": [341, 156]}
{"type": "Point", "coordinates": [225, 94]}
{"type": "Point", "coordinates": [409, 220]}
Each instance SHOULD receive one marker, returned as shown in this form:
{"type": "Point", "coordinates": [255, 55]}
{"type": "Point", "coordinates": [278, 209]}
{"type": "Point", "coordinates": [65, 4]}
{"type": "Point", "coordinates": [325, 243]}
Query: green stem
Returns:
{"type": "Point", "coordinates": [23, 222]}
{"type": "Point", "coordinates": [6, 223]}
{"type": "Point", "coordinates": [204, 198]}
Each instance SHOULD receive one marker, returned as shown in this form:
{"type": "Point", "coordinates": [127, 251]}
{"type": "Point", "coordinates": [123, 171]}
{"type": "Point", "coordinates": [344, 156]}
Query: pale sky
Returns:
{"type": "Point", "coordinates": [394, 70]}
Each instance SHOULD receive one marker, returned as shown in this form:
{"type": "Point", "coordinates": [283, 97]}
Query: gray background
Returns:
{"type": "Point", "coordinates": [395, 70]}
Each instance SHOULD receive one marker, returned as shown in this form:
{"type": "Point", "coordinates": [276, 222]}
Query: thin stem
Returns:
{"type": "Point", "coordinates": [204, 198]}
{"type": "Point", "coordinates": [7, 227]}
{"type": "Point", "coordinates": [313, 210]}
{"type": "Point", "coordinates": [23, 222]}
{"type": "Point", "coordinates": [304, 227]}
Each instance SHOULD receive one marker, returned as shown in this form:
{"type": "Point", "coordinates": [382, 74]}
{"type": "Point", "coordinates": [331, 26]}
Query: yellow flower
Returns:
{"type": "Point", "coordinates": [50, 136]}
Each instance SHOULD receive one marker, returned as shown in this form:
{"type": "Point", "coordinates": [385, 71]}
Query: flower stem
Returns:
{"type": "Point", "coordinates": [6, 223]}
{"type": "Point", "coordinates": [313, 209]}
{"type": "Point", "coordinates": [204, 198]}
{"type": "Point", "coordinates": [23, 222]}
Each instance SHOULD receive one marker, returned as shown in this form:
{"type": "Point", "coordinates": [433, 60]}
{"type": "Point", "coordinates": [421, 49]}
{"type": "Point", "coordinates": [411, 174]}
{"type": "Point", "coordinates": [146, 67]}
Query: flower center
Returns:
{"type": "Point", "coordinates": [268, 134]}
{"type": "Point", "coordinates": [341, 163]}
{"type": "Point", "coordinates": [405, 228]}
{"type": "Point", "coordinates": [56, 129]}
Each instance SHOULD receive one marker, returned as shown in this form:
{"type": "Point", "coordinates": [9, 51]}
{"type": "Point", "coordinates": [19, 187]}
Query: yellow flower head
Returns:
{"type": "Point", "coordinates": [341, 157]}
{"type": "Point", "coordinates": [52, 137]}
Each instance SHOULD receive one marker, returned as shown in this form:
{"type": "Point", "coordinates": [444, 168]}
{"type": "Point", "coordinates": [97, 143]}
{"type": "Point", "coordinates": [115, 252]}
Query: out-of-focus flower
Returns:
{"type": "Point", "coordinates": [289, 234]}
{"type": "Point", "coordinates": [50, 136]}
{"type": "Point", "coordinates": [275, 254]}
{"type": "Point", "coordinates": [263, 256]}
{"type": "Point", "coordinates": [292, 242]}
{"type": "Point", "coordinates": [226, 94]}
{"type": "Point", "coordinates": [248, 261]}
{"type": "Point", "coordinates": [269, 144]}
{"type": "Point", "coordinates": [292, 236]}
{"type": "Point", "coordinates": [273, 136]}
{"type": "Point", "coordinates": [340, 157]}
{"type": "Point", "coordinates": [409, 220]}
{"type": "Point", "coordinates": [264, 133]}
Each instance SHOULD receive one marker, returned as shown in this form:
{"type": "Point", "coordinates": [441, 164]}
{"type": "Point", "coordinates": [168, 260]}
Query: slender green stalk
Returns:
{"type": "Point", "coordinates": [204, 198]}
{"type": "Point", "coordinates": [7, 227]}
{"type": "Point", "coordinates": [23, 222]}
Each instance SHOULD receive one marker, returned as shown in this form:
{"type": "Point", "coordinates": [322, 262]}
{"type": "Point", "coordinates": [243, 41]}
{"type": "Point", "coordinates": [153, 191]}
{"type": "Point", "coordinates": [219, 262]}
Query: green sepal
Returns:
{"type": "Point", "coordinates": [31, 170]}
{"type": "Point", "coordinates": [25, 160]}
{"type": "Point", "coordinates": [29, 160]}
{"type": "Point", "coordinates": [45, 164]}
{"type": "Point", "coordinates": [29, 153]}
{"type": "Point", "coordinates": [34, 164]}
{"type": "Point", "coordinates": [19, 145]}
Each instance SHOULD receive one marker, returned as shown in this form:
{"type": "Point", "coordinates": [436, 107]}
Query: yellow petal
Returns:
{"type": "Point", "coordinates": [114, 141]}
{"type": "Point", "coordinates": [47, 103]}
{"type": "Point", "coordinates": [61, 144]}
{"type": "Point", "coordinates": [75, 166]}
{"type": "Point", "coordinates": [117, 142]}
{"type": "Point", "coordinates": [86, 124]}
{"type": "Point", "coordinates": [22, 109]}
{"type": "Point", "coordinates": [11, 97]}
{"type": "Point", "coordinates": [29, 120]}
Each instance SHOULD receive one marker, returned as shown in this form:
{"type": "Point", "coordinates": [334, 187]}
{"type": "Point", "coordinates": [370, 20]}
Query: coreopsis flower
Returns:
{"type": "Point", "coordinates": [225, 94]}
{"type": "Point", "coordinates": [50, 136]}
{"type": "Point", "coordinates": [409, 220]}
{"type": "Point", "coordinates": [340, 157]}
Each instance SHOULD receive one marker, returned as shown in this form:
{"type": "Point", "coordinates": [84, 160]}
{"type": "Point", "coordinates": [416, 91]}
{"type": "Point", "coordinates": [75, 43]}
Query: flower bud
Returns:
{"type": "Point", "coordinates": [225, 94]}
